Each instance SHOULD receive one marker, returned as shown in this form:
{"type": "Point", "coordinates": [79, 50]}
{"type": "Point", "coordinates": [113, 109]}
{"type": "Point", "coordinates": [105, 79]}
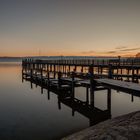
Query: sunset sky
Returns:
{"type": "Point", "coordinates": [69, 27]}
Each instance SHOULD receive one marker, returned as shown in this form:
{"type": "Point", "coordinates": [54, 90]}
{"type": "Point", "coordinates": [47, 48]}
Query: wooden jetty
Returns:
{"type": "Point", "coordinates": [62, 76]}
{"type": "Point", "coordinates": [121, 69]}
{"type": "Point", "coordinates": [88, 73]}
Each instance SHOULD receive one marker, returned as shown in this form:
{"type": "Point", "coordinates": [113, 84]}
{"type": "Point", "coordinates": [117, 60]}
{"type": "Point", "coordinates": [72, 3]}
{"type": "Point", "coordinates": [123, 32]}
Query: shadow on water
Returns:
{"type": "Point", "coordinates": [85, 108]}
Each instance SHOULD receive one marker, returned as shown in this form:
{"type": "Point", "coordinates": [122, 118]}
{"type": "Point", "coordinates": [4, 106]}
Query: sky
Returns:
{"type": "Point", "coordinates": [69, 27]}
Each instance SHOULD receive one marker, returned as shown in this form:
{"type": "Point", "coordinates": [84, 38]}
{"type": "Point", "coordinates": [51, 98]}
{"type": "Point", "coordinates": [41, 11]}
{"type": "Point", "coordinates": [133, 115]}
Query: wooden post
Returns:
{"type": "Point", "coordinates": [22, 75]}
{"type": "Point", "coordinates": [121, 74]}
{"type": "Point", "coordinates": [63, 69]}
{"type": "Point", "coordinates": [87, 95]}
{"type": "Point", "coordinates": [69, 68]}
{"type": "Point", "coordinates": [48, 79]}
{"type": "Point", "coordinates": [54, 71]}
{"type": "Point", "coordinates": [109, 100]}
{"type": "Point", "coordinates": [72, 85]}
{"type": "Point", "coordinates": [31, 74]}
{"type": "Point", "coordinates": [51, 68]}
{"type": "Point", "coordinates": [137, 79]}
{"type": "Point", "coordinates": [92, 85]}
{"type": "Point", "coordinates": [133, 76]}
{"type": "Point", "coordinates": [59, 80]}
{"type": "Point", "coordinates": [82, 69]}
{"type": "Point", "coordinates": [110, 71]}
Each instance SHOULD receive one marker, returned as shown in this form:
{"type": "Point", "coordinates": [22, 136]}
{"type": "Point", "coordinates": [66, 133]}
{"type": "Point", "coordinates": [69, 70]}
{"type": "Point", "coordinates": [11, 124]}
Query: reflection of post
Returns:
{"type": "Point", "coordinates": [132, 97]}
{"type": "Point", "coordinates": [109, 100]}
{"type": "Point", "coordinates": [41, 73]}
{"type": "Point", "coordinates": [48, 94]}
{"type": "Point", "coordinates": [92, 98]}
{"type": "Point", "coordinates": [73, 112]}
{"type": "Point", "coordinates": [59, 104]}
{"type": "Point", "coordinates": [41, 90]}
{"type": "Point", "coordinates": [31, 85]}
{"type": "Point", "coordinates": [22, 76]}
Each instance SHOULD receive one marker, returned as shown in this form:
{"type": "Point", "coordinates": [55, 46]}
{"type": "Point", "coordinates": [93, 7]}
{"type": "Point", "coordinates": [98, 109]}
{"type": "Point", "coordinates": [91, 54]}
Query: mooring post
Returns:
{"type": "Point", "coordinates": [48, 79]}
{"type": "Point", "coordinates": [110, 71]}
{"type": "Point", "coordinates": [82, 69]}
{"type": "Point", "coordinates": [92, 85]}
{"type": "Point", "coordinates": [109, 100]}
{"type": "Point", "coordinates": [133, 74]}
{"type": "Point", "coordinates": [22, 75]}
{"type": "Point", "coordinates": [48, 93]}
{"type": "Point", "coordinates": [73, 84]}
{"type": "Point", "coordinates": [31, 73]}
{"type": "Point", "coordinates": [137, 79]}
{"type": "Point", "coordinates": [69, 68]}
{"type": "Point", "coordinates": [132, 98]}
{"type": "Point", "coordinates": [121, 74]}
{"type": "Point", "coordinates": [41, 73]}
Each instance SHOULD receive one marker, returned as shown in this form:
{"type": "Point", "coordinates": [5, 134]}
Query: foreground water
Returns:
{"type": "Point", "coordinates": [27, 114]}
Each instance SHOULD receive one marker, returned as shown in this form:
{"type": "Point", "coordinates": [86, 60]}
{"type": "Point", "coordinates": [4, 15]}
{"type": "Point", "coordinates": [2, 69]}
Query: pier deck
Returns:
{"type": "Point", "coordinates": [121, 85]}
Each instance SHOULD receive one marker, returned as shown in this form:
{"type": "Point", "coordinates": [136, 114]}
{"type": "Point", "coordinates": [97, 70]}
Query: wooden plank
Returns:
{"type": "Point", "coordinates": [120, 84]}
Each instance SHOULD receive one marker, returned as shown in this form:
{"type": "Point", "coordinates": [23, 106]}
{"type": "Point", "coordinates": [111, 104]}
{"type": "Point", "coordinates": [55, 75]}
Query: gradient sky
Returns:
{"type": "Point", "coordinates": [69, 27]}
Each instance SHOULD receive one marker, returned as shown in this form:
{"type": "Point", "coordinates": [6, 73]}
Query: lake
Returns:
{"type": "Point", "coordinates": [27, 114]}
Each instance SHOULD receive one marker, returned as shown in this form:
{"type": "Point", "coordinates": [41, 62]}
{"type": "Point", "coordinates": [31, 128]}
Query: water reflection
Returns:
{"type": "Point", "coordinates": [28, 114]}
{"type": "Point", "coordinates": [86, 108]}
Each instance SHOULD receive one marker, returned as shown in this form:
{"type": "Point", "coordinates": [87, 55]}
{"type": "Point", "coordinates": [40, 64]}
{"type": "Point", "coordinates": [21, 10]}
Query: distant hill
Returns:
{"type": "Point", "coordinates": [19, 59]}
{"type": "Point", "coordinates": [10, 59]}
{"type": "Point", "coordinates": [138, 55]}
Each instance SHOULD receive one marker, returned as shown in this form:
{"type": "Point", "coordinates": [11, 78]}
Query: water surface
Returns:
{"type": "Point", "coordinates": [28, 114]}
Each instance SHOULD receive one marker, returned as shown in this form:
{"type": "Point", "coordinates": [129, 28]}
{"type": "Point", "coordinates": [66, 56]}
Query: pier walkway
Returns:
{"type": "Point", "coordinates": [121, 85]}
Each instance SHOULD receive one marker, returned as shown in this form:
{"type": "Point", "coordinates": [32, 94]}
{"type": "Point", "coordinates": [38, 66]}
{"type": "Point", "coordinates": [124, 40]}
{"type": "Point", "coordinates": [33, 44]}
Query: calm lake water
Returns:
{"type": "Point", "coordinates": [27, 114]}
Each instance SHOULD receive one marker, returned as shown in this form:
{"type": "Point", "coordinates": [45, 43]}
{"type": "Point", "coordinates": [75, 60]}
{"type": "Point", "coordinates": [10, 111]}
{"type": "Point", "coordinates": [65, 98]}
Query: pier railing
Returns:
{"type": "Point", "coordinates": [87, 62]}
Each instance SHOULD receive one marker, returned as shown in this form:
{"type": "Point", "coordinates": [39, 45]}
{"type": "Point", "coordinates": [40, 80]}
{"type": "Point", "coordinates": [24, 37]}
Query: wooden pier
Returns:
{"type": "Point", "coordinates": [92, 74]}
{"type": "Point", "coordinates": [125, 69]}
{"type": "Point", "coordinates": [63, 76]}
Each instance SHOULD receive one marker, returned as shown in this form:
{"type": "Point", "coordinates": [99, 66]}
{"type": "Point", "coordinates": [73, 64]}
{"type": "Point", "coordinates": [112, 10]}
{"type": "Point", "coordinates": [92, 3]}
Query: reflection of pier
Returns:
{"type": "Point", "coordinates": [66, 97]}
{"type": "Point", "coordinates": [94, 114]}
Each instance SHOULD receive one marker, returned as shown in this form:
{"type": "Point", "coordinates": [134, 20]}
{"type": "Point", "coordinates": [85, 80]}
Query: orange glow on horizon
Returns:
{"type": "Point", "coordinates": [19, 54]}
